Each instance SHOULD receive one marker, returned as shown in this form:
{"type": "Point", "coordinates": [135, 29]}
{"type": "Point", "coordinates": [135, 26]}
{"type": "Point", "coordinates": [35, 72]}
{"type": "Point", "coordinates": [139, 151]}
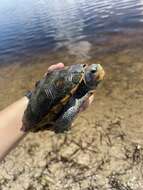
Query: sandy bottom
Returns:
{"type": "Point", "coordinates": [104, 149]}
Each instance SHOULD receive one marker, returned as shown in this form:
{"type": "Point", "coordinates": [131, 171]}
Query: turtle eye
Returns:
{"type": "Point", "coordinates": [93, 70]}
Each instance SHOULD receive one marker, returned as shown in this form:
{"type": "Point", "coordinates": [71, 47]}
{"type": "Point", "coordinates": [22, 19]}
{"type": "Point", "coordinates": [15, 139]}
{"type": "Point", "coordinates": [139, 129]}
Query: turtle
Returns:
{"type": "Point", "coordinates": [59, 96]}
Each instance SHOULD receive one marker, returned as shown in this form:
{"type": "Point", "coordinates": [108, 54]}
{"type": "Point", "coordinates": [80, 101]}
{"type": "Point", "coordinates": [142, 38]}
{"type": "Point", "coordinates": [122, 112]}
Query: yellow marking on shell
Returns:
{"type": "Point", "coordinates": [59, 83]}
{"type": "Point", "coordinates": [65, 99]}
{"type": "Point", "coordinates": [47, 119]}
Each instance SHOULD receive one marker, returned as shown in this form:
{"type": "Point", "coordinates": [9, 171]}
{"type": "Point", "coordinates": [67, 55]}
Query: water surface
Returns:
{"type": "Point", "coordinates": [31, 29]}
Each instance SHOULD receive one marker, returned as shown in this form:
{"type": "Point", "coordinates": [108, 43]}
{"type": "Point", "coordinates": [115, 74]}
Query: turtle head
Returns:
{"type": "Point", "coordinates": [94, 74]}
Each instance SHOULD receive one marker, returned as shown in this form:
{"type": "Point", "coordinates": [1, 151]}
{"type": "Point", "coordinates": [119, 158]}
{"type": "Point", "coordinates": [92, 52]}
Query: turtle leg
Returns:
{"type": "Point", "coordinates": [69, 113]}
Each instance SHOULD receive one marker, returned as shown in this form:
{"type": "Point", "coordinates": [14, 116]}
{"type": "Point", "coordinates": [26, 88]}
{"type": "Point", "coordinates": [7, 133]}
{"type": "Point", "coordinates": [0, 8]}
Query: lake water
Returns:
{"type": "Point", "coordinates": [33, 29]}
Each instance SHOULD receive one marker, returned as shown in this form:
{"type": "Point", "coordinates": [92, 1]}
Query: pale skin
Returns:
{"type": "Point", "coordinates": [11, 121]}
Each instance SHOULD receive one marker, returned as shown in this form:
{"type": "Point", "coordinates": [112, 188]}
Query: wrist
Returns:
{"type": "Point", "coordinates": [10, 126]}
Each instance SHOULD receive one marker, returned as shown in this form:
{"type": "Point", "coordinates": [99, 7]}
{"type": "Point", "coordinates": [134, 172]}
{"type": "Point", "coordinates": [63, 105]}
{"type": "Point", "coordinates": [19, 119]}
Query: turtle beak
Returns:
{"type": "Point", "coordinates": [100, 72]}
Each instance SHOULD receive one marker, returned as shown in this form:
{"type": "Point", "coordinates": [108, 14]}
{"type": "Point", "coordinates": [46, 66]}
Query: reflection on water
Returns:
{"type": "Point", "coordinates": [30, 28]}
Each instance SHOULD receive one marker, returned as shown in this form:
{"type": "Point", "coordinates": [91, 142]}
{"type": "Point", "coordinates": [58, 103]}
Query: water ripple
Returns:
{"type": "Point", "coordinates": [36, 26]}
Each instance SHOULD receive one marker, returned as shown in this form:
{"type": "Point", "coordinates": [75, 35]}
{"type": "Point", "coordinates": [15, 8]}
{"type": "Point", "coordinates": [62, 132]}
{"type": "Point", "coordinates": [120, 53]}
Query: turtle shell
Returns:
{"type": "Point", "coordinates": [51, 94]}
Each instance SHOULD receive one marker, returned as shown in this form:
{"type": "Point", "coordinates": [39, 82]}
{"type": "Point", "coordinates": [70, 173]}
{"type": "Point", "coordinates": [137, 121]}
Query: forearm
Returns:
{"type": "Point", "coordinates": [11, 122]}
{"type": "Point", "coordinates": [10, 125]}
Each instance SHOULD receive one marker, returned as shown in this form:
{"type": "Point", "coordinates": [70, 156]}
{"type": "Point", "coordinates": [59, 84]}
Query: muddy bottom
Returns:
{"type": "Point", "coordinates": [104, 149]}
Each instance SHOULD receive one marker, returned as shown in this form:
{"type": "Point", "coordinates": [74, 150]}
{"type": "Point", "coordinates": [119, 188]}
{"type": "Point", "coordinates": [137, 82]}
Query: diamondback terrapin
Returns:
{"type": "Point", "coordinates": [58, 97]}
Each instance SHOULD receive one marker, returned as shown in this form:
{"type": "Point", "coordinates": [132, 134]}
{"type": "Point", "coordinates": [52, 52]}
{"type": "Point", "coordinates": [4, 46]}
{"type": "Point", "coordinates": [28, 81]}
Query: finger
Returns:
{"type": "Point", "coordinates": [55, 66]}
